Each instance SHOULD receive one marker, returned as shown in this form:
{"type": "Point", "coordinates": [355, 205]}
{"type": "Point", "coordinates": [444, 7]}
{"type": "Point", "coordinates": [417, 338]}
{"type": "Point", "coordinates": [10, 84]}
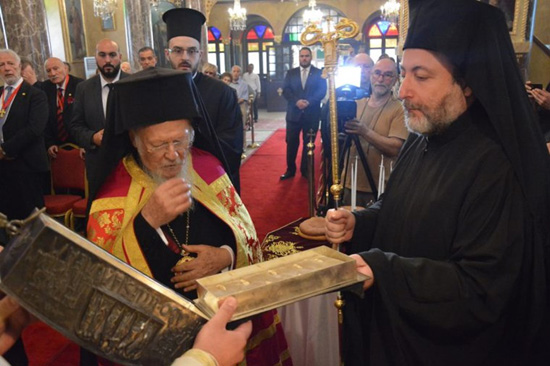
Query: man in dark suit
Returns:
{"type": "Point", "coordinates": [303, 89]}
{"type": "Point", "coordinates": [90, 102]}
{"type": "Point", "coordinates": [60, 91]}
{"type": "Point", "coordinates": [23, 117]}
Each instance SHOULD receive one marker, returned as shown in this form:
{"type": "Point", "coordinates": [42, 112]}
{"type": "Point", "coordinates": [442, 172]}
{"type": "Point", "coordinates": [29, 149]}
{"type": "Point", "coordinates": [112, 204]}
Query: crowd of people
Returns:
{"type": "Point", "coordinates": [454, 250]}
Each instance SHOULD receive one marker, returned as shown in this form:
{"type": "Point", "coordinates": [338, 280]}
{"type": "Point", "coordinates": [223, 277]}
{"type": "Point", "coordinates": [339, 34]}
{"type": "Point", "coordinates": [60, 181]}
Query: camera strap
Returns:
{"type": "Point", "coordinates": [359, 147]}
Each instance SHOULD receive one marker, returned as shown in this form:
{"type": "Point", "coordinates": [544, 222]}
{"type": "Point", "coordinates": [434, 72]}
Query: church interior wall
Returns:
{"type": "Point", "coordinates": [276, 13]}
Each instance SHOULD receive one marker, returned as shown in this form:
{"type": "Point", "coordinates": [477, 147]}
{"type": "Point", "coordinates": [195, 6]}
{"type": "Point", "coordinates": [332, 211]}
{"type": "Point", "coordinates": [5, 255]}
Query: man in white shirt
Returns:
{"type": "Point", "coordinates": [253, 80]}
{"type": "Point", "coordinates": [243, 91]}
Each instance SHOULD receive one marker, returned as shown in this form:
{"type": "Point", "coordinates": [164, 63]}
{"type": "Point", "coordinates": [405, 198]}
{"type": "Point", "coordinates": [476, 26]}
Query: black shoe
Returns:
{"type": "Point", "coordinates": [287, 175]}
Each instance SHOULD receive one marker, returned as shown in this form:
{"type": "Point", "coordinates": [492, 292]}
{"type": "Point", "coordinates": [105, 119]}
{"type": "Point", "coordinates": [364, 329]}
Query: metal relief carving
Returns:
{"type": "Point", "coordinates": [94, 299]}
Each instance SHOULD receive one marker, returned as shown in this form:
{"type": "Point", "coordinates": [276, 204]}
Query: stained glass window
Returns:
{"type": "Point", "coordinates": [258, 38]}
{"type": "Point", "coordinates": [216, 54]}
{"type": "Point", "coordinates": [381, 37]}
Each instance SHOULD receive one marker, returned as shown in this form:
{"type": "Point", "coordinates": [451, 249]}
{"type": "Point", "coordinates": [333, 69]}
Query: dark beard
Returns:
{"type": "Point", "coordinates": [109, 75]}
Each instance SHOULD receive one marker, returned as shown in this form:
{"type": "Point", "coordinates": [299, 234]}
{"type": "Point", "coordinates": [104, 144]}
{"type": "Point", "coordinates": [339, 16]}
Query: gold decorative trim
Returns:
{"type": "Point", "coordinates": [108, 203]}
{"type": "Point", "coordinates": [266, 333]}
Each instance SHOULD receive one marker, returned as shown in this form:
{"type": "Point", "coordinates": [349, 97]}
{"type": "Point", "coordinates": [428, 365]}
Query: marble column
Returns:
{"type": "Point", "coordinates": [139, 31]}
{"type": "Point", "coordinates": [201, 6]}
{"type": "Point", "coordinates": [26, 31]}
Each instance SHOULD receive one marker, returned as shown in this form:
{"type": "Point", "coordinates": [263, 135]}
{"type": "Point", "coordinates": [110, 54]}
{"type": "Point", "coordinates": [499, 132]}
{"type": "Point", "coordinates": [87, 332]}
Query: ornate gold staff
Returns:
{"type": "Point", "coordinates": [344, 29]}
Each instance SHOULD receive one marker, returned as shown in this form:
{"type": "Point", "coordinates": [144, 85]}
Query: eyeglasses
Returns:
{"type": "Point", "coordinates": [178, 51]}
{"type": "Point", "coordinates": [163, 148]}
{"type": "Point", "coordinates": [386, 75]}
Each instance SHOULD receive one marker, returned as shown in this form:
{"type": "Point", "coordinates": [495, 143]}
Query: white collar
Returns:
{"type": "Point", "coordinates": [105, 82]}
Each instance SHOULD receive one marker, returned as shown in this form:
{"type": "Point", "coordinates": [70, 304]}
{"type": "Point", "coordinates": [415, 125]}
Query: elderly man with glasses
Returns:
{"type": "Point", "coordinates": [165, 206]}
{"type": "Point", "coordinates": [381, 130]}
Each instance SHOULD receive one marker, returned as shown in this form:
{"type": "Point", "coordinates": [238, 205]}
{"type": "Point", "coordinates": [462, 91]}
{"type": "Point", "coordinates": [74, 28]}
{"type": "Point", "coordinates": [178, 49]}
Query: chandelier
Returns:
{"type": "Point", "coordinates": [104, 9]}
{"type": "Point", "coordinates": [390, 11]}
{"type": "Point", "coordinates": [312, 15]}
{"type": "Point", "coordinates": [237, 17]}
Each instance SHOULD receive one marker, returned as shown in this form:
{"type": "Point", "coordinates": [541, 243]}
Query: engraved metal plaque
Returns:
{"type": "Point", "coordinates": [280, 281]}
{"type": "Point", "coordinates": [94, 299]}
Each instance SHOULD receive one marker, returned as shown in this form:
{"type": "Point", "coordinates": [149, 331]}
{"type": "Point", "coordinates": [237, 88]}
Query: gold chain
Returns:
{"type": "Point", "coordinates": [180, 246]}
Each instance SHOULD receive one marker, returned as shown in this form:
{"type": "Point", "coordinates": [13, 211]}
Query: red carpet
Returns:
{"type": "Point", "coordinates": [273, 203]}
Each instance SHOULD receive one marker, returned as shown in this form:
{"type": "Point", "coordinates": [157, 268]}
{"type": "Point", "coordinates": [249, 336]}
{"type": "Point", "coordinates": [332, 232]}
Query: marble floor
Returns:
{"type": "Point", "coordinates": [268, 122]}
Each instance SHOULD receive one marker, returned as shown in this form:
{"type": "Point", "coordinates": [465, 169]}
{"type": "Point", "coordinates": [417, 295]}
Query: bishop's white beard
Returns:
{"type": "Point", "coordinates": [185, 172]}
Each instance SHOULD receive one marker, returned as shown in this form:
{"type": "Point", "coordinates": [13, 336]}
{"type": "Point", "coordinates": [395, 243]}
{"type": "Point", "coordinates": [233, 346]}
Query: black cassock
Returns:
{"type": "Point", "coordinates": [445, 245]}
{"type": "Point", "coordinates": [223, 109]}
{"type": "Point", "coordinates": [205, 228]}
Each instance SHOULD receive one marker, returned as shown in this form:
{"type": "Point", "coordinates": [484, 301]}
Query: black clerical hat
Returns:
{"type": "Point", "coordinates": [184, 22]}
{"type": "Point", "coordinates": [146, 98]}
{"type": "Point", "coordinates": [444, 26]}
{"type": "Point", "coordinates": [153, 96]}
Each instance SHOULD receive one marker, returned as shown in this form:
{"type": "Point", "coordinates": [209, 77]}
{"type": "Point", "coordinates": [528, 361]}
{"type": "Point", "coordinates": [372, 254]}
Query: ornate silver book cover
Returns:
{"type": "Point", "coordinates": [94, 299]}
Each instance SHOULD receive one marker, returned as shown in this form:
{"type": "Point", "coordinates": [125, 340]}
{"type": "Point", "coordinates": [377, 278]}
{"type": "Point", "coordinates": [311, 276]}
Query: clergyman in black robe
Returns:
{"type": "Point", "coordinates": [456, 246]}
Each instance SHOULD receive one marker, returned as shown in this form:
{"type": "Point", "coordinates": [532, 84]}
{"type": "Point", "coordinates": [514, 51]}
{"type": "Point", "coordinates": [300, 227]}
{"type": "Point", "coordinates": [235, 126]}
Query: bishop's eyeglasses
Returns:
{"type": "Point", "coordinates": [179, 145]}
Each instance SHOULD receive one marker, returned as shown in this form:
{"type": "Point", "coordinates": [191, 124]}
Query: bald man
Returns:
{"type": "Point", "coordinates": [126, 67]}
{"type": "Point", "coordinates": [60, 89]}
{"type": "Point", "coordinates": [366, 64]}
{"type": "Point", "coordinates": [90, 102]}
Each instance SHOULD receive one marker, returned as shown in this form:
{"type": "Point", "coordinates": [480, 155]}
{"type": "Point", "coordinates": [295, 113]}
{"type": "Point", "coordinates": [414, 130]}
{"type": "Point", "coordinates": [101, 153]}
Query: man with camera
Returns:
{"type": "Point", "coordinates": [381, 130]}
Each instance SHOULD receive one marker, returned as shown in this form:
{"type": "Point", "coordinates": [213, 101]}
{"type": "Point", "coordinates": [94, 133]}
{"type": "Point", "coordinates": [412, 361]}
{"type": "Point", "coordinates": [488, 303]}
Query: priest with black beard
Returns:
{"type": "Point", "coordinates": [218, 101]}
{"type": "Point", "coordinates": [90, 103]}
{"type": "Point", "coordinates": [455, 249]}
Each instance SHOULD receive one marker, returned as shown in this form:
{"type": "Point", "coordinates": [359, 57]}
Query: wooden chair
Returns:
{"type": "Point", "coordinates": [68, 173]}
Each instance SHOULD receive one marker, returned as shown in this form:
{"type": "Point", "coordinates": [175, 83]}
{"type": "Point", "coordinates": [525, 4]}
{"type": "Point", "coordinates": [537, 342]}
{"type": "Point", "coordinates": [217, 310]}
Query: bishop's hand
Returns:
{"type": "Point", "coordinates": [169, 200]}
{"type": "Point", "coordinates": [210, 260]}
{"type": "Point", "coordinates": [339, 226]}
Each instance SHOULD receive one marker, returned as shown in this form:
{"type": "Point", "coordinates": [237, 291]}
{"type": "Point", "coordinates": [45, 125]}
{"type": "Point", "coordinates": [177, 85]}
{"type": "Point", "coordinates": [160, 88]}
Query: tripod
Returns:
{"type": "Point", "coordinates": [346, 150]}
{"type": "Point", "coordinates": [346, 140]}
